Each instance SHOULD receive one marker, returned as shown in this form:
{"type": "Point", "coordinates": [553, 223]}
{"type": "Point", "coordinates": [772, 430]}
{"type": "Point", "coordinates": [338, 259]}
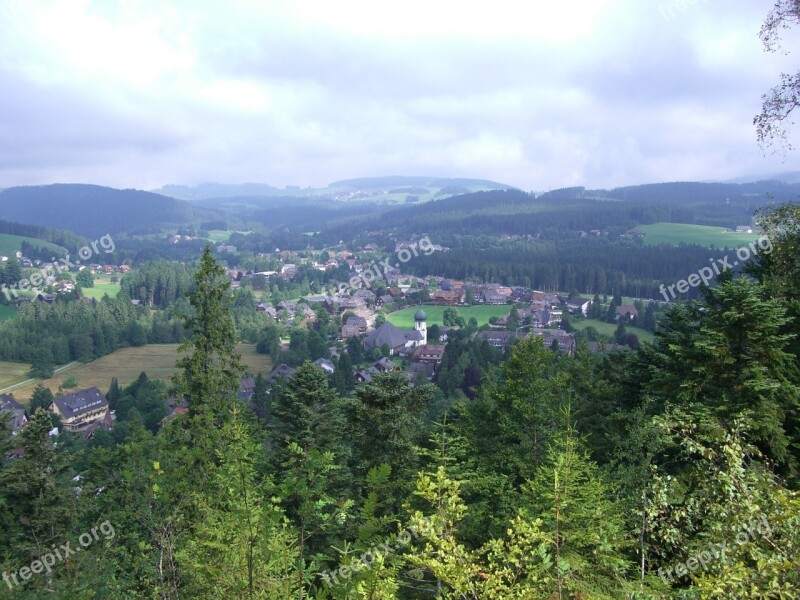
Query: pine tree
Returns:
{"type": "Point", "coordinates": [583, 521]}
{"type": "Point", "coordinates": [210, 374]}
{"type": "Point", "coordinates": [241, 546]}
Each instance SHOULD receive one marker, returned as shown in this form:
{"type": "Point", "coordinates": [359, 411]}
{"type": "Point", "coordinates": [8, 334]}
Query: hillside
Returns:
{"type": "Point", "coordinates": [391, 189]}
{"type": "Point", "coordinates": [93, 210]}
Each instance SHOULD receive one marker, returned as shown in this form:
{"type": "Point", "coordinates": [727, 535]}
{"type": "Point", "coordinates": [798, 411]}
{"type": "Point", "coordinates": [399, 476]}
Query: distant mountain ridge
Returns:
{"type": "Point", "coordinates": [366, 187]}
{"type": "Point", "coordinates": [93, 210]}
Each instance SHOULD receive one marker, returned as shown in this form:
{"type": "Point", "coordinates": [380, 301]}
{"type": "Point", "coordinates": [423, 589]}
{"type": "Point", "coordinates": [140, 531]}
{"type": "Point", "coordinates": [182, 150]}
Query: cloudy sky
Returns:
{"type": "Point", "coordinates": [140, 93]}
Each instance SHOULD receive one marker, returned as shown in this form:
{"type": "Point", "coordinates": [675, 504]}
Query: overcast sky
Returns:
{"type": "Point", "coordinates": [139, 93]}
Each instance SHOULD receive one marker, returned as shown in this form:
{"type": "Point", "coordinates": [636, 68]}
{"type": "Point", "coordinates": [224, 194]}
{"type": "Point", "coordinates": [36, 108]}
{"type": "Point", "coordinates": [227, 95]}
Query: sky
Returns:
{"type": "Point", "coordinates": [534, 94]}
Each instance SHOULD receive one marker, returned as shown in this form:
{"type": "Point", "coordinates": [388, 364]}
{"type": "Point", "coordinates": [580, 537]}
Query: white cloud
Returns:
{"type": "Point", "coordinates": [597, 92]}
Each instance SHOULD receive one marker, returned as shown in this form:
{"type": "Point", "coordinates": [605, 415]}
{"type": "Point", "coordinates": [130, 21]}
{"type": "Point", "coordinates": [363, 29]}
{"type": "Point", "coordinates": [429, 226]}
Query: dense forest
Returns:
{"type": "Point", "coordinates": [93, 210]}
{"type": "Point", "coordinates": [670, 471]}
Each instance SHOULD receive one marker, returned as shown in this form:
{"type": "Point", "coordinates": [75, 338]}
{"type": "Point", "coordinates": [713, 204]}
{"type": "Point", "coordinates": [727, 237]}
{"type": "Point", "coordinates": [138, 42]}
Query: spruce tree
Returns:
{"type": "Point", "coordinates": [210, 373]}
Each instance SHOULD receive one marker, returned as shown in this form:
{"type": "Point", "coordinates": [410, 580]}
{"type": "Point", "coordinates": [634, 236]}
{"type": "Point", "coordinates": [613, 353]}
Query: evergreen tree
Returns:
{"type": "Point", "coordinates": [210, 374]}
{"type": "Point", "coordinates": [582, 519]}
{"type": "Point", "coordinates": [260, 397]}
{"type": "Point", "coordinates": [241, 546]}
{"type": "Point", "coordinates": [41, 398]}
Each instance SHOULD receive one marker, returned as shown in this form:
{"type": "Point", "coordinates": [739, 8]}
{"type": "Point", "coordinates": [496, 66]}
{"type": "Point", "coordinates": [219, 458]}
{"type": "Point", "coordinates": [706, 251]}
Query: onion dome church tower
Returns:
{"type": "Point", "coordinates": [419, 325]}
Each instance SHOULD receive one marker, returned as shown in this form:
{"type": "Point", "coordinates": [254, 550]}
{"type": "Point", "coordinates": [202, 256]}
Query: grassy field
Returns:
{"type": "Point", "coordinates": [7, 312]}
{"type": "Point", "coordinates": [676, 233]}
{"type": "Point", "coordinates": [102, 286]}
{"type": "Point", "coordinates": [404, 319]}
{"type": "Point", "coordinates": [157, 360]}
{"type": "Point", "coordinates": [222, 235]}
{"type": "Point", "coordinates": [11, 372]}
{"type": "Point", "coordinates": [11, 243]}
{"type": "Point", "coordinates": [608, 329]}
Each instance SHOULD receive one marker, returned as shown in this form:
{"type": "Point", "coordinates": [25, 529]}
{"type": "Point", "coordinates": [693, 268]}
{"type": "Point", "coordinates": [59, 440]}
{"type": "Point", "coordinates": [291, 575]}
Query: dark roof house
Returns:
{"type": "Point", "coordinates": [79, 409]}
{"type": "Point", "coordinates": [17, 411]}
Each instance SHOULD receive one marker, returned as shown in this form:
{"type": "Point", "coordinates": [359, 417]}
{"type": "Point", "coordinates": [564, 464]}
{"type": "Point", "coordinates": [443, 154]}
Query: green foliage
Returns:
{"type": "Point", "coordinates": [84, 279]}
{"type": "Point", "coordinates": [241, 546]}
{"type": "Point", "coordinates": [210, 374]}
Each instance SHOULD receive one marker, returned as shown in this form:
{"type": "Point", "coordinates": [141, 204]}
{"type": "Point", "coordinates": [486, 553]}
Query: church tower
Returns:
{"type": "Point", "coordinates": [419, 325]}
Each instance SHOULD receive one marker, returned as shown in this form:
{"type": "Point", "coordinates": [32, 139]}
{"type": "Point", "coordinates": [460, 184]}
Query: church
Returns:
{"type": "Point", "coordinates": [399, 341]}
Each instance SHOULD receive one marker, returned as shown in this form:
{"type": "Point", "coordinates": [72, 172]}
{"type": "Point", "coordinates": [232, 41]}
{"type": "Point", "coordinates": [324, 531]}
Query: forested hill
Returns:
{"type": "Point", "coordinates": [67, 239]}
{"type": "Point", "coordinates": [567, 211]}
{"type": "Point", "coordinates": [695, 192]}
{"type": "Point", "coordinates": [93, 210]}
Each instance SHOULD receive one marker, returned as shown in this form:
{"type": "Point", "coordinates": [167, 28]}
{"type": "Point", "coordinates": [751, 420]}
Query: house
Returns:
{"type": "Point", "coordinates": [106, 424]}
{"type": "Point", "coordinates": [540, 318]}
{"type": "Point", "coordinates": [247, 385]}
{"type": "Point", "coordinates": [288, 306]}
{"type": "Point", "coordinates": [627, 311]}
{"type": "Point", "coordinates": [383, 300]}
{"type": "Point", "coordinates": [365, 295]}
{"type": "Point", "coordinates": [493, 297]}
{"type": "Point", "coordinates": [430, 353]}
{"type": "Point", "coordinates": [564, 341]}
{"type": "Point", "coordinates": [579, 304]}
{"type": "Point", "coordinates": [17, 412]}
{"type": "Point", "coordinates": [353, 327]}
{"type": "Point", "coordinates": [282, 371]}
{"type": "Point", "coordinates": [545, 299]}
{"type": "Point", "coordinates": [446, 297]}
{"type": "Point", "coordinates": [326, 365]}
{"type": "Point", "coordinates": [384, 365]}
{"type": "Point", "coordinates": [363, 376]}
{"type": "Point", "coordinates": [500, 339]}
{"type": "Point", "coordinates": [352, 304]}
{"type": "Point", "coordinates": [305, 311]}
{"type": "Point", "coordinates": [744, 229]}
{"type": "Point", "coordinates": [419, 369]}
{"type": "Point", "coordinates": [80, 409]}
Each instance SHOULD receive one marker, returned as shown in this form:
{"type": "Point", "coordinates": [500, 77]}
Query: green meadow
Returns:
{"type": "Point", "coordinates": [608, 329]}
{"type": "Point", "coordinates": [703, 235]}
{"type": "Point", "coordinates": [404, 319]}
{"type": "Point", "coordinates": [102, 286]}
{"type": "Point", "coordinates": [11, 243]}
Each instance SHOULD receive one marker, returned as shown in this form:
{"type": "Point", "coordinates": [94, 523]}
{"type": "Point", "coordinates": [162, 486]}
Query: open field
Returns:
{"type": "Point", "coordinates": [222, 235]}
{"type": "Point", "coordinates": [608, 329]}
{"type": "Point", "coordinates": [157, 360]}
{"type": "Point", "coordinates": [7, 312]}
{"type": "Point", "coordinates": [102, 286]}
{"type": "Point", "coordinates": [704, 235]}
{"type": "Point", "coordinates": [11, 372]}
{"type": "Point", "coordinates": [11, 243]}
{"type": "Point", "coordinates": [404, 319]}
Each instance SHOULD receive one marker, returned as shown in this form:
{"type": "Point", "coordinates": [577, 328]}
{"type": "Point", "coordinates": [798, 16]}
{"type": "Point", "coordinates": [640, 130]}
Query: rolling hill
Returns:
{"type": "Point", "coordinates": [94, 210]}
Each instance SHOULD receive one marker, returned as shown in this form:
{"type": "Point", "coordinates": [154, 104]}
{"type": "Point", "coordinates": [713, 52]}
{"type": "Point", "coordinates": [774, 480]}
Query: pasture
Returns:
{"type": "Point", "coordinates": [703, 235]}
{"type": "Point", "coordinates": [102, 286]}
{"type": "Point", "coordinates": [404, 319]}
{"type": "Point", "coordinates": [608, 329]}
{"type": "Point", "coordinates": [11, 243]}
{"type": "Point", "coordinates": [157, 360]}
